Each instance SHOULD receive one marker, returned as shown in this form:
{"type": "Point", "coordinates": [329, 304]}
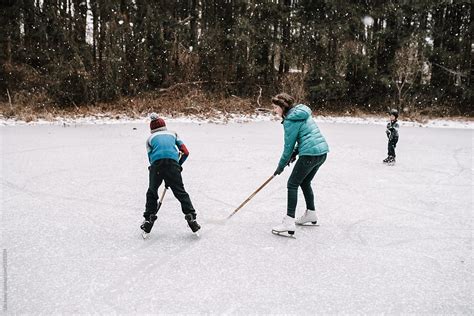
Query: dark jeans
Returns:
{"type": "Point", "coordinates": [169, 171]}
{"type": "Point", "coordinates": [303, 172]}
{"type": "Point", "coordinates": [391, 146]}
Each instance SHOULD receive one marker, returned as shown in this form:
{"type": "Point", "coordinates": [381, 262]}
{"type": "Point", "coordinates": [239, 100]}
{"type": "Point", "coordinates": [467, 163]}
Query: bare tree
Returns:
{"type": "Point", "coordinates": [407, 65]}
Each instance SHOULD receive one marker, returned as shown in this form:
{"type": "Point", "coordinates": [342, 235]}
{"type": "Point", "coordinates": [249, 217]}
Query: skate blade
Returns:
{"type": "Point", "coordinates": [308, 224]}
{"type": "Point", "coordinates": [283, 234]}
{"type": "Point", "coordinates": [145, 235]}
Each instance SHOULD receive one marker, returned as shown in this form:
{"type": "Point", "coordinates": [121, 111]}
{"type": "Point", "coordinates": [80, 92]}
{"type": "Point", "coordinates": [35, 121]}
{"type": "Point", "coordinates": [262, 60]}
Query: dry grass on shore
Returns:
{"type": "Point", "coordinates": [175, 103]}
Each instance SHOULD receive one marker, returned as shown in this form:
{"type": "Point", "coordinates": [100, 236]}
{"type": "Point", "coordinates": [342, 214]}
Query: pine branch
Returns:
{"type": "Point", "coordinates": [454, 72]}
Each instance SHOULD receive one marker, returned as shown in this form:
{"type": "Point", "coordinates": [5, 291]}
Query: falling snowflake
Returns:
{"type": "Point", "coordinates": [368, 20]}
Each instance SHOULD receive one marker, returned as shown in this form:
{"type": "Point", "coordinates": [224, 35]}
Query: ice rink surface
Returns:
{"type": "Point", "coordinates": [391, 240]}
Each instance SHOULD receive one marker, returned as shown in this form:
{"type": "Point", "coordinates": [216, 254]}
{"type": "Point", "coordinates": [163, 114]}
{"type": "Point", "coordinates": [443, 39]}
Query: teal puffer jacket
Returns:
{"type": "Point", "coordinates": [301, 130]}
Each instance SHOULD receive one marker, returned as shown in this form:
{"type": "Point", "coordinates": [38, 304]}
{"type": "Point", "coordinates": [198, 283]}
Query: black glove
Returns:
{"type": "Point", "coordinates": [293, 157]}
{"type": "Point", "coordinates": [278, 171]}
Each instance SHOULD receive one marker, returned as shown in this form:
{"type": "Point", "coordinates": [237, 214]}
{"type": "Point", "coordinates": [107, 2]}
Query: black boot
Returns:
{"type": "Point", "coordinates": [191, 219]}
{"type": "Point", "coordinates": [386, 160]}
{"type": "Point", "coordinates": [147, 224]}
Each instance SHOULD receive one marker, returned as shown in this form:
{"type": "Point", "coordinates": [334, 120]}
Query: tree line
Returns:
{"type": "Point", "coordinates": [360, 53]}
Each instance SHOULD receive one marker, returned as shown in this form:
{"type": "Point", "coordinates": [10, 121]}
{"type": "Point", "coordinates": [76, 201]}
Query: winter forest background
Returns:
{"type": "Point", "coordinates": [200, 55]}
{"type": "Point", "coordinates": [391, 240]}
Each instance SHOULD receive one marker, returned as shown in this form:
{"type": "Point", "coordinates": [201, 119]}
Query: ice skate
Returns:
{"type": "Point", "coordinates": [309, 217]}
{"type": "Point", "coordinates": [391, 161]}
{"type": "Point", "coordinates": [147, 225]}
{"type": "Point", "coordinates": [191, 219]}
{"type": "Point", "coordinates": [286, 228]}
{"type": "Point", "coordinates": [386, 160]}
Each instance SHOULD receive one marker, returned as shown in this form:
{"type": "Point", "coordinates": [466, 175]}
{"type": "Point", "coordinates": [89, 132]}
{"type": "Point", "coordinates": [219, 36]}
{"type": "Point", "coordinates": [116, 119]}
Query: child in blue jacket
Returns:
{"type": "Point", "coordinates": [166, 154]}
{"type": "Point", "coordinates": [304, 139]}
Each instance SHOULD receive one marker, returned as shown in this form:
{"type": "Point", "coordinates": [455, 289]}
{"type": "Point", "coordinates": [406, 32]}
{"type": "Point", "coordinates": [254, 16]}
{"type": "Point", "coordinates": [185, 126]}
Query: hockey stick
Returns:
{"type": "Point", "coordinates": [160, 202]}
{"type": "Point", "coordinates": [251, 196]}
{"type": "Point", "coordinates": [161, 199]}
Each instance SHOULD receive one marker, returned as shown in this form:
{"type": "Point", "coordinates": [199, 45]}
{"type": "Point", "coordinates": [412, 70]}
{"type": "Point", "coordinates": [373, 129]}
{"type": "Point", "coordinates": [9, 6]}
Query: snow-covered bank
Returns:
{"type": "Point", "coordinates": [438, 123]}
{"type": "Point", "coordinates": [106, 119]}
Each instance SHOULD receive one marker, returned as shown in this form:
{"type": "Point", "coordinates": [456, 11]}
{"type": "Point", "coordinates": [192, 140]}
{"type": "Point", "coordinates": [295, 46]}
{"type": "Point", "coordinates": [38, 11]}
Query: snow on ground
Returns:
{"type": "Point", "coordinates": [391, 240]}
{"type": "Point", "coordinates": [235, 118]}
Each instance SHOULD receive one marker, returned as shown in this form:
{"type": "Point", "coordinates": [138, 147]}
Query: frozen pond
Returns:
{"type": "Point", "coordinates": [391, 240]}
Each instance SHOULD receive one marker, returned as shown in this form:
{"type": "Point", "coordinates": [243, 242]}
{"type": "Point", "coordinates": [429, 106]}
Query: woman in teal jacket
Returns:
{"type": "Point", "coordinates": [304, 139]}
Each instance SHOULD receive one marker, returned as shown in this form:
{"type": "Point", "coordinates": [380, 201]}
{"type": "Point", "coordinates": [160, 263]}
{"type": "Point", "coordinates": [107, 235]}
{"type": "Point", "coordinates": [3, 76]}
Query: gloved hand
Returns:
{"type": "Point", "coordinates": [278, 171]}
{"type": "Point", "coordinates": [293, 157]}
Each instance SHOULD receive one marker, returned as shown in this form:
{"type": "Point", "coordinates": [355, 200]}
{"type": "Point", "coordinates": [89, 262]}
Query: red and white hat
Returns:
{"type": "Point", "coordinates": [156, 122]}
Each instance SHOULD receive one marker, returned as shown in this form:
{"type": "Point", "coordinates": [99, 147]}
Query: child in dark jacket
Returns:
{"type": "Point", "coordinates": [166, 154]}
{"type": "Point", "coordinates": [392, 135]}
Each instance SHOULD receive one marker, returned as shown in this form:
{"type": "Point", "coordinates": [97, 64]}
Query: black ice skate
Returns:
{"type": "Point", "coordinates": [386, 160]}
{"type": "Point", "coordinates": [391, 161]}
{"type": "Point", "coordinates": [147, 225]}
{"type": "Point", "coordinates": [191, 219]}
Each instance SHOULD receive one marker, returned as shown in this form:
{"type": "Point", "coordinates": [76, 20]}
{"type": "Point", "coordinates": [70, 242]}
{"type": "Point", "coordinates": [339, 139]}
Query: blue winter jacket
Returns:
{"type": "Point", "coordinates": [301, 131]}
{"type": "Point", "coordinates": [164, 144]}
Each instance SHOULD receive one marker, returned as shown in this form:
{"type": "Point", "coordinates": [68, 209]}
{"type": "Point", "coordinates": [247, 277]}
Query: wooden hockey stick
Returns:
{"type": "Point", "coordinates": [251, 196]}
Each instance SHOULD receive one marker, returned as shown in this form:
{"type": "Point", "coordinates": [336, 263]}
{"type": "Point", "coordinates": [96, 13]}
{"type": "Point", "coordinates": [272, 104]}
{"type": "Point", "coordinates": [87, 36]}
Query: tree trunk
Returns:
{"type": "Point", "coordinates": [29, 24]}
{"type": "Point", "coordinates": [95, 28]}
{"type": "Point", "coordinates": [388, 46]}
{"type": "Point", "coordinates": [194, 24]}
{"type": "Point", "coordinates": [437, 75]}
{"type": "Point", "coordinates": [80, 21]}
{"type": "Point", "coordinates": [285, 47]}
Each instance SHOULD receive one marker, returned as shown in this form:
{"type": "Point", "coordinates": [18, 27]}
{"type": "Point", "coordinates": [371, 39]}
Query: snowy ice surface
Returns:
{"type": "Point", "coordinates": [391, 240]}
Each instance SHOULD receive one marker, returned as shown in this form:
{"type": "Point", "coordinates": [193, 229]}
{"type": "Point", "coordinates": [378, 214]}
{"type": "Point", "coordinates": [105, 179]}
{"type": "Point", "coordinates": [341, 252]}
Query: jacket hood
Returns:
{"type": "Point", "coordinates": [299, 112]}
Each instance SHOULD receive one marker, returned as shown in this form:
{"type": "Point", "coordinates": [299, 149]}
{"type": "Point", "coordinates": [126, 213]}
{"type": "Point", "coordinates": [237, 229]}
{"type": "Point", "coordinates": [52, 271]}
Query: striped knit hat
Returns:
{"type": "Point", "coordinates": [156, 122]}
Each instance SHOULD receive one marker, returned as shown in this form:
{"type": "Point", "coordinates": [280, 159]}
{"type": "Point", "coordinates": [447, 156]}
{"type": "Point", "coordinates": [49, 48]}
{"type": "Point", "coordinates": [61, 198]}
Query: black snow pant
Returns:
{"type": "Point", "coordinates": [301, 176]}
{"type": "Point", "coordinates": [169, 171]}
{"type": "Point", "coordinates": [392, 143]}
